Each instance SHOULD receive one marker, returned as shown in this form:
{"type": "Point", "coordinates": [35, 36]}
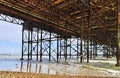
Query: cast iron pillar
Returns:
{"type": "Point", "coordinates": [22, 44]}
{"type": "Point", "coordinates": [41, 40]}
{"type": "Point", "coordinates": [118, 37]}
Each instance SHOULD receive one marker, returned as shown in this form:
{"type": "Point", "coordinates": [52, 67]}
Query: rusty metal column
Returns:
{"type": "Point", "coordinates": [88, 54]}
{"type": "Point", "coordinates": [91, 52]}
{"type": "Point", "coordinates": [113, 51]}
{"type": "Point", "coordinates": [81, 40]}
{"type": "Point", "coordinates": [60, 47]}
{"type": "Point", "coordinates": [41, 46]}
{"type": "Point", "coordinates": [118, 49]}
{"type": "Point", "coordinates": [58, 38]}
{"type": "Point", "coordinates": [65, 48]}
{"type": "Point", "coordinates": [70, 49]}
{"type": "Point", "coordinates": [88, 51]}
{"type": "Point", "coordinates": [95, 49]}
{"type": "Point", "coordinates": [50, 47]}
{"type": "Point", "coordinates": [57, 47]}
{"type": "Point", "coordinates": [118, 36]}
{"type": "Point", "coordinates": [37, 43]}
{"type": "Point", "coordinates": [65, 42]}
{"type": "Point", "coordinates": [77, 48]}
{"type": "Point", "coordinates": [22, 43]}
{"type": "Point", "coordinates": [31, 42]}
{"type": "Point", "coordinates": [107, 53]}
{"type": "Point", "coordinates": [28, 44]}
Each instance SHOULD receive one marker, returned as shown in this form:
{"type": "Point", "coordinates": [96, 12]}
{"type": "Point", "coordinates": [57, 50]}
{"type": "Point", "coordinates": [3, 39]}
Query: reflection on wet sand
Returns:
{"type": "Point", "coordinates": [36, 68]}
{"type": "Point", "coordinates": [63, 68]}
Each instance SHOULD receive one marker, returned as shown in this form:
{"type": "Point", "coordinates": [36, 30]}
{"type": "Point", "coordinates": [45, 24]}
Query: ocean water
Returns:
{"type": "Point", "coordinates": [13, 63]}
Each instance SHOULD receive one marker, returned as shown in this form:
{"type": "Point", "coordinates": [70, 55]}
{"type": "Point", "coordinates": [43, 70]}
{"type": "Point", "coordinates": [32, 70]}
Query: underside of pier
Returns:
{"type": "Point", "coordinates": [65, 29]}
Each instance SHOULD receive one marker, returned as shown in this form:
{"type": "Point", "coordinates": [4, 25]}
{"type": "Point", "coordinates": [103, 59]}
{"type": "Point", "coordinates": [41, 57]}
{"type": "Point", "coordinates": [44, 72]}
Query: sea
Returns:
{"type": "Point", "coordinates": [12, 62]}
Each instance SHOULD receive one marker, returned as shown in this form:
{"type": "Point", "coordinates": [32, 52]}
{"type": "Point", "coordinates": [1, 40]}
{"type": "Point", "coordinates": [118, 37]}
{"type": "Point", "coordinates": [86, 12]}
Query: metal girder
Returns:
{"type": "Point", "coordinates": [84, 23]}
{"type": "Point", "coordinates": [10, 19]}
{"type": "Point", "coordinates": [25, 15]}
{"type": "Point", "coordinates": [40, 44]}
{"type": "Point", "coordinates": [45, 9]}
{"type": "Point", "coordinates": [118, 36]}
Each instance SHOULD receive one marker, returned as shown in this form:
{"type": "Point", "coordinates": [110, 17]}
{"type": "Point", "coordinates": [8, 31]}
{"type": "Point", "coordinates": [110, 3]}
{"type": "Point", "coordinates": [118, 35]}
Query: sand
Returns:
{"type": "Point", "coordinates": [9, 74]}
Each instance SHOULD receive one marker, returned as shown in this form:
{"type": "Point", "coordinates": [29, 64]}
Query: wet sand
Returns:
{"type": "Point", "coordinates": [12, 68]}
{"type": "Point", "coordinates": [8, 74]}
{"type": "Point", "coordinates": [71, 69]}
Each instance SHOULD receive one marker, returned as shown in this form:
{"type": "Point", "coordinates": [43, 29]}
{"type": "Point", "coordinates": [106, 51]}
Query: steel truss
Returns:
{"type": "Point", "coordinates": [10, 19]}
{"type": "Point", "coordinates": [52, 46]}
{"type": "Point", "coordinates": [45, 44]}
{"type": "Point", "coordinates": [42, 43]}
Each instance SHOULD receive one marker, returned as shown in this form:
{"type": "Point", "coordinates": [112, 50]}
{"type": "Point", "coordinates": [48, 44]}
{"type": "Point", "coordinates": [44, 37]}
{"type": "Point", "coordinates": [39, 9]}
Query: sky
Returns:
{"type": "Point", "coordinates": [10, 38]}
